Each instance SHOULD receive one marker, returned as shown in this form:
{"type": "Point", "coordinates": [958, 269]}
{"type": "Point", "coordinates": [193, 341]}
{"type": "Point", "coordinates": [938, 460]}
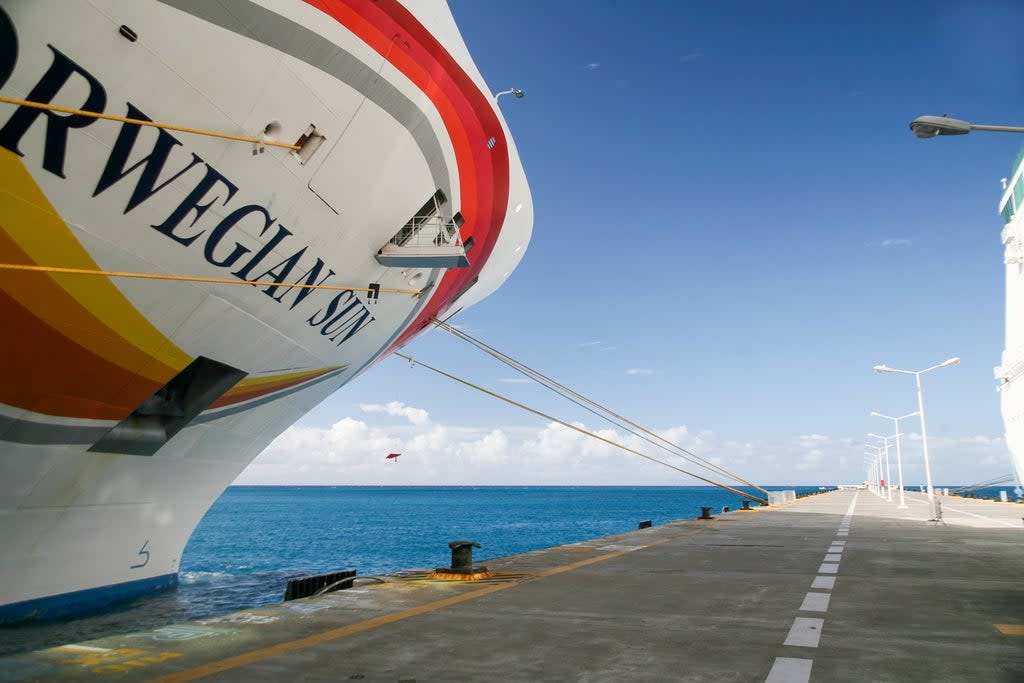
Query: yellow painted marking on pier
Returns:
{"type": "Point", "coordinates": [334, 634]}
{"type": "Point", "coordinates": [106, 660]}
{"type": "Point", "coordinates": [1010, 629]}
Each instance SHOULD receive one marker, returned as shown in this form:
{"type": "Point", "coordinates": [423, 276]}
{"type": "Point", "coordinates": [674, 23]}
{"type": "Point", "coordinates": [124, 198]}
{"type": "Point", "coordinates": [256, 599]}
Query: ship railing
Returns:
{"type": "Point", "coordinates": [430, 241]}
{"type": "Point", "coordinates": [433, 230]}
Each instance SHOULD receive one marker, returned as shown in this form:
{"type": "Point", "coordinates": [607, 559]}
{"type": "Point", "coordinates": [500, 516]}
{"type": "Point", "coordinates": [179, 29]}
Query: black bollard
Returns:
{"type": "Point", "coordinates": [646, 524]}
{"type": "Point", "coordinates": [462, 555]}
{"type": "Point", "coordinates": [746, 505]}
{"type": "Point", "coordinates": [725, 508]}
{"type": "Point", "coordinates": [705, 513]}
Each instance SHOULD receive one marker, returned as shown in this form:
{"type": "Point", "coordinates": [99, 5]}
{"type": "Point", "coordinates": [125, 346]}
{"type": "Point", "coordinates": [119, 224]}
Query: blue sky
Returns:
{"type": "Point", "coordinates": [733, 225]}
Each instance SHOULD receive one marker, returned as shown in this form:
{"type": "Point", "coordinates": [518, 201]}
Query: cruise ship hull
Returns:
{"type": "Point", "coordinates": [1010, 374]}
{"type": "Point", "coordinates": [129, 403]}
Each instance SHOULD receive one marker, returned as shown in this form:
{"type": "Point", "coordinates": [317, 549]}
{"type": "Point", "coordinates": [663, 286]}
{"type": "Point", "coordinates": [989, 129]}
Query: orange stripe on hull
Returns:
{"type": "Point", "coordinates": [79, 348]}
{"type": "Point", "coordinates": [46, 372]}
{"type": "Point", "coordinates": [240, 394]}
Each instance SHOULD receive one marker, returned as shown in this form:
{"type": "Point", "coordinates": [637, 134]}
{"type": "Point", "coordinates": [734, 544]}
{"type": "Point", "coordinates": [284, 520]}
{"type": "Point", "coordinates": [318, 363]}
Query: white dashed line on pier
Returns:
{"type": "Point", "coordinates": [790, 670]}
{"type": "Point", "coordinates": [815, 602]}
{"type": "Point", "coordinates": [805, 632]}
{"type": "Point", "coordinates": [825, 582]}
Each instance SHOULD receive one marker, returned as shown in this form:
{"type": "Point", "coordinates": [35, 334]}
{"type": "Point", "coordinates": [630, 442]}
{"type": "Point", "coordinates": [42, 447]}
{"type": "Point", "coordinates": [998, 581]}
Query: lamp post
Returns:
{"type": "Point", "coordinates": [924, 431]}
{"type": "Point", "coordinates": [899, 457]}
{"type": "Point", "coordinates": [933, 126]}
{"type": "Point", "coordinates": [515, 92]}
{"type": "Point", "coordinates": [888, 468]}
{"type": "Point", "coordinates": [869, 464]}
{"type": "Point", "coordinates": [878, 479]}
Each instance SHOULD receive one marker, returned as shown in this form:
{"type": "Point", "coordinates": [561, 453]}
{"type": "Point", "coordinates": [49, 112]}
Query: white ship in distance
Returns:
{"type": "Point", "coordinates": [1010, 374]}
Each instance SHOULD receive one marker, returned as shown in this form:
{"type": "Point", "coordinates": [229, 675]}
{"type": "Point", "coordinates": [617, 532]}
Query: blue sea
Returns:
{"type": "Point", "coordinates": [255, 538]}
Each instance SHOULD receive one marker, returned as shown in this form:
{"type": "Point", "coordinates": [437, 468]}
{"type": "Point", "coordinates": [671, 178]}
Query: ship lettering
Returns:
{"type": "Point", "coordinates": [8, 48]}
{"type": "Point", "coordinates": [222, 245]}
{"type": "Point", "coordinates": [57, 125]}
{"type": "Point", "coordinates": [309, 279]}
{"type": "Point", "coordinates": [230, 221]}
{"type": "Point", "coordinates": [152, 165]}
{"type": "Point", "coordinates": [331, 323]}
{"type": "Point", "coordinates": [282, 232]}
{"type": "Point", "coordinates": [191, 203]}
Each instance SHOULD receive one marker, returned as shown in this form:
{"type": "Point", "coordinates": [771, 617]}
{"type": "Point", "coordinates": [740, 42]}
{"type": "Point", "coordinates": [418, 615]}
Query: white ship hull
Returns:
{"type": "Point", "coordinates": [1010, 374]}
{"type": "Point", "coordinates": [128, 405]}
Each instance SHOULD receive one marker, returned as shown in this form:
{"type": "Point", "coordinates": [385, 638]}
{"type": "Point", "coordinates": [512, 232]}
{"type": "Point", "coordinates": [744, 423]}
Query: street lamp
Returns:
{"type": "Point", "coordinates": [933, 126]}
{"type": "Point", "coordinates": [515, 92]}
{"type": "Point", "coordinates": [899, 457]}
{"type": "Point", "coordinates": [877, 457]}
{"type": "Point", "coordinates": [869, 464]}
{"type": "Point", "coordinates": [924, 430]}
{"type": "Point", "coordinates": [888, 469]}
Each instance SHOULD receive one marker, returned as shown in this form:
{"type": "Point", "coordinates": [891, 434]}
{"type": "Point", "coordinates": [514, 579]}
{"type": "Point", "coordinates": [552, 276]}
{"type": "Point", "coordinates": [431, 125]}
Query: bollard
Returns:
{"type": "Point", "coordinates": [725, 508]}
{"type": "Point", "coordinates": [746, 505]}
{"type": "Point", "coordinates": [646, 524]}
{"type": "Point", "coordinates": [462, 568]}
{"type": "Point", "coordinates": [462, 555]}
{"type": "Point", "coordinates": [705, 513]}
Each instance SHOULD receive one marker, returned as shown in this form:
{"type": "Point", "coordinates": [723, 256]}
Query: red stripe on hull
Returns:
{"type": "Point", "coordinates": [469, 119]}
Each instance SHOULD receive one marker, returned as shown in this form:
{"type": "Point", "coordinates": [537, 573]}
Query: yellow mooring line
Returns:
{"type": "Point", "coordinates": [143, 122]}
{"type": "Point", "coordinates": [192, 278]}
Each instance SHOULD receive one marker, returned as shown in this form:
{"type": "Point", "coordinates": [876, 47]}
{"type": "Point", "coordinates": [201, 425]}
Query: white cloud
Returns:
{"type": "Point", "coordinates": [594, 66]}
{"type": "Point", "coordinates": [639, 371]}
{"type": "Point", "coordinates": [492, 448]}
{"type": "Point", "coordinates": [417, 416]}
{"type": "Point", "coordinates": [516, 380]}
{"type": "Point", "coordinates": [812, 440]}
{"type": "Point", "coordinates": [599, 345]}
{"type": "Point", "coordinates": [352, 451]}
{"type": "Point", "coordinates": [896, 242]}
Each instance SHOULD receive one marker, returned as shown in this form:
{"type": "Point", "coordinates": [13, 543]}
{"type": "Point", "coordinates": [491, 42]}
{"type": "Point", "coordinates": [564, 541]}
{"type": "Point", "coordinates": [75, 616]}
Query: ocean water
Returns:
{"type": "Point", "coordinates": [1014, 494]}
{"type": "Point", "coordinates": [254, 539]}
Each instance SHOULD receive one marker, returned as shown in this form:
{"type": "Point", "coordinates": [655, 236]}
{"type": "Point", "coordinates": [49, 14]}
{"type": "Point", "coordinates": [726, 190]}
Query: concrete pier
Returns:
{"type": "Point", "coordinates": [838, 587]}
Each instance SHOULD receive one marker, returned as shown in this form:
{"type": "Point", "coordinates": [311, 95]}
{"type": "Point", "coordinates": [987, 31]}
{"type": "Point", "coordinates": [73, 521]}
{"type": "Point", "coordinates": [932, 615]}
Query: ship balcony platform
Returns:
{"type": "Point", "coordinates": [431, 241]}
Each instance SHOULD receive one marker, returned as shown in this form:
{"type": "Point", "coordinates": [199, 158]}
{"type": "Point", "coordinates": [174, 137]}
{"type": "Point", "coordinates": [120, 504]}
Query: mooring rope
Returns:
{"type": "Point", "coordinates": [581, 430]}
{"type": "Point", "coordinates": [151, 124]}
{"type": "Point", "coordinates": [596, 408]}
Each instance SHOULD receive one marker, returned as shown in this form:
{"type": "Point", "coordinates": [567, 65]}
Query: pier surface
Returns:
{"type": "Point", "coordinates": [843, 586]}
